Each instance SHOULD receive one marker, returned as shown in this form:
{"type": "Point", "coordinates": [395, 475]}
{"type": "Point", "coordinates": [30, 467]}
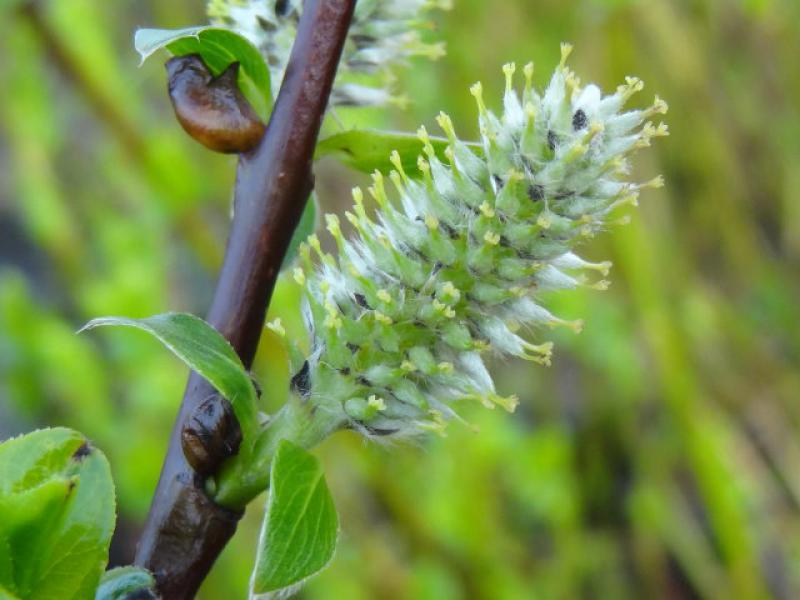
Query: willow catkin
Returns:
{"type": "Point", "coordinates": [383, 34]}
{"type": "Point", "coordinates": [453, 263]}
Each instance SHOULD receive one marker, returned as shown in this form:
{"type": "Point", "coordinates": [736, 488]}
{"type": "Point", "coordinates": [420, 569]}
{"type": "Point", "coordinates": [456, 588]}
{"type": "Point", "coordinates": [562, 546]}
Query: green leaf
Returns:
{"type": "Point", "coordinates": [218, 48]}
{"type": "Point", "coordinates": [205, 351]}
{"type": "Point", "coordinates": [118, 583]}
{"type": "Point", "coordinates": [57, 507]}
{"type": "Point", "coordinates": [368, 150]}
{"type": "Point", "coordinates": [306, 226]}
{"type": "Point", "coordinates": [298, 535]}
{"type": "Point", "coordinates": [148, 41]}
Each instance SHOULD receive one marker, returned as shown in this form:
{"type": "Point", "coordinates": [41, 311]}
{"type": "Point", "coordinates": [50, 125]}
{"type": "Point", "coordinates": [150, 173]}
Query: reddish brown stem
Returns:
{"type": "Point", "coordinates": [185, 530]}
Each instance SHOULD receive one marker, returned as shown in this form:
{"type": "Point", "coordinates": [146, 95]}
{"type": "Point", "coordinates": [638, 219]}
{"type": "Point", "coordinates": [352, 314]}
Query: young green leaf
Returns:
{"type": "Point", "coordinates": [218, 48]}
{"type": "Point", "coordinates": [368, 150]}
{"type": "Point", "coordinates": [298, 535]}
{"type": "Point", "coordinates": [205, 351]}
{"type": "Point", "coordinates": [57, 507]}
{"type": "Point", "coordinates": [126, 582]}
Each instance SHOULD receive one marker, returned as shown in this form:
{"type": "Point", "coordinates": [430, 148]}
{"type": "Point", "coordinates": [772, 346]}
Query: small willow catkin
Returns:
{"type": "Point", "coordinates": [383, 33]}
{"type": "Point", "coordinates": [454, 266]}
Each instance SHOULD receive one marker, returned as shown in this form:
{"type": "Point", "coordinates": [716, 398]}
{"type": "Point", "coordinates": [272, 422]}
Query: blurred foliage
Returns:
{"type": "Point", "coordinates": [657, 457]}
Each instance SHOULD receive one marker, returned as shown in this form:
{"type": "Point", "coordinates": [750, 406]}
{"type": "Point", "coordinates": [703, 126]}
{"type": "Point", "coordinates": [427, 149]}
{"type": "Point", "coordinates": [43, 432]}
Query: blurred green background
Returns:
{"type": "Point", "coordinates": [658, 457]}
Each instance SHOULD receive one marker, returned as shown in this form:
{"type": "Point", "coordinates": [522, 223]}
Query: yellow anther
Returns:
{"type": "Point", "coordinates": [408, 366]}
{"type": "Point", "coordinates": [446, 367]}
{"type": "Point", "coordinates": [632, 85]}
{"type": "Point", "coordinates": [448, 289]}
{"type": "Point", "coordinates": [332, 225]}
{"type": "Point", "coordinates": [382, 318]}
{"type": "Point", "coordinates": [566, 50]}
{"type": "Point", "coordinates": [491, 238]}
{"type": "Point", "coordinates": [508, 403]}
{"type": "Point", "coordinates": [304, 251]}
{"type": "Point", "coordinates": [423, 136]}
{"type": "Point", "coordinates": [480, 345]}
{"type": "Point", "coordinates": [423, 165]}
{"type": "Point", "coordinates": [384, 296]}
{"type": "Point", "coordinates": [299, 276]}
{"type": "Point", "coordinates": [446, 123]}
{"type": "Point", "coordinates": [661, 131]}
{"type": "Point", "coordinates": [437, 424]}
{"type": "Point", "coordinates": [395, 159]}
{"type": "Point", "coordinates": [477, 91]}
{"type": "Point", "coordinates": [659, 106]}
{"type": "Point", "coordinates": [378, 190]}
{"type": "Point", "coordinates": [332, 322]}
{"type": "Point", "coordinates": [544, 221]}
{"type": "Point", "coordinates": [443, 308]}
{"type": "Point", "coordinates": [487, 210]}
{"type": "Point", "coordinates": [431, 222]}
{"type": "Point", "coordinates": [376, 403]}
{"type": "Point", "coordinates": [655, 182]}
{"type": "Point", "coordinates": [573, 83]}
{"type": "Point", "coordinates": [528, 71]}
{"type": "Point", "coordinates": [601, 267]}
{"type": "Point", "coordinates": [277, 327]}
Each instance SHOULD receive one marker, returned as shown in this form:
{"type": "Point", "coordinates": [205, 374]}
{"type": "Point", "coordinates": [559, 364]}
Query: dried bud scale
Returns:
{"type": "Point", "coordinates": [454, 267]}
{"type": "Point", "coordinates": [383, 34]}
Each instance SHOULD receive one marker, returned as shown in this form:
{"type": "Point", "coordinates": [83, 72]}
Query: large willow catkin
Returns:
{"type": "Point", "coordinates": [454, 266]}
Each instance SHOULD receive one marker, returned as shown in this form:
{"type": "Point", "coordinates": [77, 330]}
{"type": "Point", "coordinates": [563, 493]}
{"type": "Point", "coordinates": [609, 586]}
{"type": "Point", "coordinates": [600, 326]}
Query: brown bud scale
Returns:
{"type": "Point", "coordinates": [211, 109]}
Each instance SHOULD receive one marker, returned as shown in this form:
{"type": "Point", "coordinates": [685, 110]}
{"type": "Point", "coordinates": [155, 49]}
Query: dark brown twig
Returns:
{"type": "Point", "coordinates": [185, 530]}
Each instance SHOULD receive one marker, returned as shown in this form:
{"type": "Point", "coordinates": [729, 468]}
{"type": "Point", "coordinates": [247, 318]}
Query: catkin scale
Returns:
{"type": "Point", "coordinates": [212, 110]}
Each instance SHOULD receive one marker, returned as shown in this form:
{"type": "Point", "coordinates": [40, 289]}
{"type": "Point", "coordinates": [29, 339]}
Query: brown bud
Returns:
{"type": "Point", "coordinates": [211, 434]}
{"type": "Point", "coordinates": [212, 109]}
